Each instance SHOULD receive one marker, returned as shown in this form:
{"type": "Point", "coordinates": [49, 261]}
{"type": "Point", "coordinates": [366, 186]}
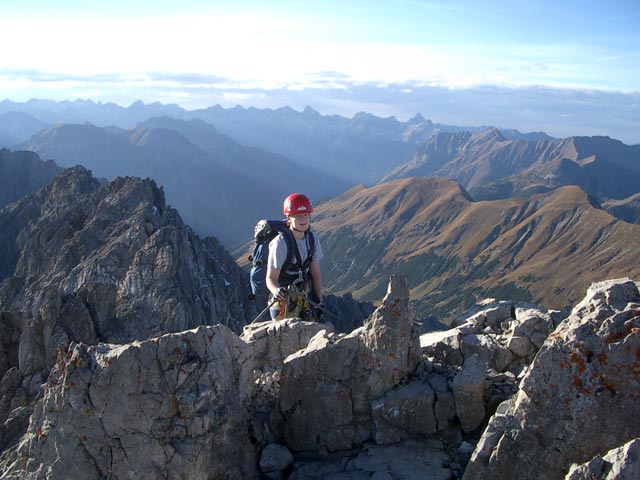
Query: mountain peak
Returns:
{"type": "Point", "coordinates": [417, 118]}
{"type": "Point", "coordinates": [491, 133]}
{"type": "Point", "coordinates": [310, 112]}
{"type": "Point", "coordinates": [137, 105]}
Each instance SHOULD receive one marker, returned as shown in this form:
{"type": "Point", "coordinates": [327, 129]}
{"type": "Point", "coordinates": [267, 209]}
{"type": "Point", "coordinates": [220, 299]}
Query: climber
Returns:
{"type": "Point", "coordinates": [295, 288]}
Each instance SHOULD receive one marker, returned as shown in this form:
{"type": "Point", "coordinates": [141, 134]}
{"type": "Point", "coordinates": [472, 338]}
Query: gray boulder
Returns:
{"type": "Point", "coordinates": [622, 463]}
{"type": "Point", "coordinates": [403, 413]}
{"type": "Point", "coordinates": [580, 398]}
{"type": "Point", "coordinates": [327, 389]}
{"type": "Point", "coordinates": [468, 391]}
{"type": "Point", "coordinates": [275, 458]}
{"type": "Point", "coordinates": [505, 336]}
{"type": "Point", "coordinates": [171, 407]}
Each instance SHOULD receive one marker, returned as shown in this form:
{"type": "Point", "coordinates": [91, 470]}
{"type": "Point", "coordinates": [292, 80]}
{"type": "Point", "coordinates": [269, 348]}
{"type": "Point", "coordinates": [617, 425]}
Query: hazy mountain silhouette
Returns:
{"type": "Point", "coordinates": [545, 249]}
{"type": "Point", "coordinates": [97, 113]}
{"type": "Point", "coordinates": [357, 150]}
{"type": "Point", "coordinates": [215, 199]}
{"type": "Point", "coordinates": [260, 165]}
{"type": "Point", "coordinates": [22, 173]}
{"type": "Point", "coordinates": [16, 127]}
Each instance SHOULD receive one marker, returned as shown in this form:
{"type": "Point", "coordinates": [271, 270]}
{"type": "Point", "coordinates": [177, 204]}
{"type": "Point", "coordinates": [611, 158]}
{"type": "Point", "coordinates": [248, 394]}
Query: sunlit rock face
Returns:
{"type": "Point", "coordinates": [580, 397]}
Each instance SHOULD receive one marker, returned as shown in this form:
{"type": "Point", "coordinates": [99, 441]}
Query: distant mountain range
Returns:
{"type": "Point", "coordinates": [517, 216]}
{"type": "Point", "coordinates": [544, 249]}
{"type": "Point", "coordinates": [490, 166]}
{"type": "Point", "coordinates": [222, 187]}
{"type": "Point", "coordinates": [211, 195]}
{"type": "Point", "coordinates": [358, 150]}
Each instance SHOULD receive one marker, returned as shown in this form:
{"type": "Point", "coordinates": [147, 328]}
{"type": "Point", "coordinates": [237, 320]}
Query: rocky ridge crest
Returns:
{"type": "Point", "coordinates": [89, 263]}
{"type": "Point", "coordinates": [293, 399]}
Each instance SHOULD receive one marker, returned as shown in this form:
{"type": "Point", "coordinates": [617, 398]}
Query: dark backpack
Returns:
{"type": "Point", "coordinates": [264, 232]}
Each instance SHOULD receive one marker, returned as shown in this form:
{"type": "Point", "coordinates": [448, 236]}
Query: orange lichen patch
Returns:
{"type": "Point", "coordinates": [84, 438]}
{"type": "Point", "coordinates": [579, 361]}
{"type": "Point", "coordinates": [392, 355]}
{"type": "Point", "coordinates": [579, 385]}
{"type": "Point", "coordinates": [554, 336]}
{"type": "Point", "coordinates": [563, 361]}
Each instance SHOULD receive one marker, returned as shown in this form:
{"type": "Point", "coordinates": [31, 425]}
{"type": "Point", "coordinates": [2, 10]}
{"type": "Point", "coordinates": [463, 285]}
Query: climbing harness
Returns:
{"type": "Point", "coordinates": [296, 302]}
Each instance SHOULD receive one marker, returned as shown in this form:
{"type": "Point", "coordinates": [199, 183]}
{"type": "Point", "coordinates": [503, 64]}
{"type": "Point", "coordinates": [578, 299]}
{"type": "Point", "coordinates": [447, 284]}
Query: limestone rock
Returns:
{"type": "Point", "coordinates": [410, 460]}
{"type": "Point", "coordinates": [170, 407]}
{"type": "Point", "coordinates": [275, 458]}
{"type": "Point", "coordinates": [106, 263]}
{"type": "Point", "coordinates": [405, 412]}
{"type": "Point", "coordinates": [505, 336]}
{"type": "Point", "coordinates": [580, 397]}
{"type": "Point", "coordinates": [618, 464]}
{"type": "Point", "coordinates": [468, 391]}
{"type": "Point", "coordinates": [91, 269]}
{"type": "Point", "coordinates": [327, 388]}
{"type": "Point", "coordinates": [274, 341]}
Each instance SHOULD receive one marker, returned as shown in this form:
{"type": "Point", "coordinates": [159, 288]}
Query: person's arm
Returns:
{"type": "Point", "coordinates": [316, 277]}
{"type": "Point", "coordinates": [272, 280]}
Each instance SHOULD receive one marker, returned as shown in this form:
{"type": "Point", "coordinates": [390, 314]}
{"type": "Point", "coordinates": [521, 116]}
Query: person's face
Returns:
{"type": "Point", "coordinates": [301, 221]}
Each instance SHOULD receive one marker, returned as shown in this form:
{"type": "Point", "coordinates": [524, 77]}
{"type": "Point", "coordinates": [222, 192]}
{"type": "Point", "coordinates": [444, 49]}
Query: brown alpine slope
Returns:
{"type": "Point", "coordinates": [545, 249]}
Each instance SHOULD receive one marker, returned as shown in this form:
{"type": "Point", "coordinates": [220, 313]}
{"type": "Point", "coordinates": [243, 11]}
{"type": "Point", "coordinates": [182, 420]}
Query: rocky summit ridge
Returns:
{"type": "Point", "coordinates": [511, 392]}
{"type": "Point", "coordinates": [90, 263]}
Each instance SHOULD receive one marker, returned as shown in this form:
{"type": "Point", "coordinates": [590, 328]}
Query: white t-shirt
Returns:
{"type": "Point", "coordinates": [278, 250]}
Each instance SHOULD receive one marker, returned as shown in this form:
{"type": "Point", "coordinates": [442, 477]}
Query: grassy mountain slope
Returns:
{"type": "Point", "coordinates": [544, 249]}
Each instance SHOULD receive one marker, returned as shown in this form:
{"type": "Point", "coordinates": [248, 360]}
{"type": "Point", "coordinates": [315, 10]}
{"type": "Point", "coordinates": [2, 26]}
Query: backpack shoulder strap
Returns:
{"type": "Point", "coordinates": [292, 247]}
{"type": "Point", "coordinates": [311, 245]}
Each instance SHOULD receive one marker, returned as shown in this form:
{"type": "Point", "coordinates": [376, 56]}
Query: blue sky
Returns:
{"type": "Point", "coordinates": [564, 67]}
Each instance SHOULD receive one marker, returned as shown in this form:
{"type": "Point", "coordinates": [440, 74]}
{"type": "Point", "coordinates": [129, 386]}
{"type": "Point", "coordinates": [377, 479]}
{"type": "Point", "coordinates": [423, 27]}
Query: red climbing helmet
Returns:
{"type": "Point", "coordinates": [297, 203]}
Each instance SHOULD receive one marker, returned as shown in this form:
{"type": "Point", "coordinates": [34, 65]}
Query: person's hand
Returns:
{"type": "Point", "coordinates": [280, 294]}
